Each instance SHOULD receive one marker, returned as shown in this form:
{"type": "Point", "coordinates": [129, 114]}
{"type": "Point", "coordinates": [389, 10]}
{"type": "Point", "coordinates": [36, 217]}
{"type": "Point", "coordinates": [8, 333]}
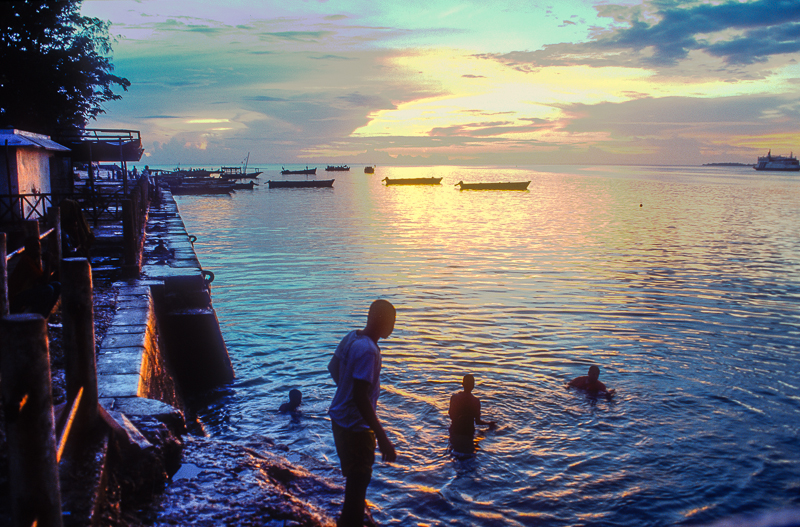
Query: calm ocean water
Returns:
{"type": "Point", "coordinates": [682, 283]}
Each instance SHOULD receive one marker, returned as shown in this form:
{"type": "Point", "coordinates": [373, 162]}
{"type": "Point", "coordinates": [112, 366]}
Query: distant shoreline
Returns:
{"type": "Point", "coordinates": [727, 164]}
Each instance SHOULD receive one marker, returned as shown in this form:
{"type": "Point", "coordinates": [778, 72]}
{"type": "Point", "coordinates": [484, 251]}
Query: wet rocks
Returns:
{"type": "Point", "coordinates": [245, 483]}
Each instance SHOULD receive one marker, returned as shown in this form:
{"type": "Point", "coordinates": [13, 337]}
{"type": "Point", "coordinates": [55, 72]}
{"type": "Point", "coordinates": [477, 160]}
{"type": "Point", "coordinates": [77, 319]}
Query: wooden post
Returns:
{"type": "Point", "coordinates": [129, 240]}
{"type": "Point", "coordinates": [3, 276]}
{"type": "Point", "coordinates": [55, 240]}
{"type": "Point", "coordinates": [28, 403]}
{"type": "Point", "coordinates": [77, 311]}
{"type": "Point", "coordinates": [30, 235]}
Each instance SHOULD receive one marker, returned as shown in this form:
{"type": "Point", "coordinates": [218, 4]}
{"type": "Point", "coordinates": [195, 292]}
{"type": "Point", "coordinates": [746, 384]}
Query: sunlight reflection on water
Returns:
{"type": "Point", "coordinates": [688, 302]}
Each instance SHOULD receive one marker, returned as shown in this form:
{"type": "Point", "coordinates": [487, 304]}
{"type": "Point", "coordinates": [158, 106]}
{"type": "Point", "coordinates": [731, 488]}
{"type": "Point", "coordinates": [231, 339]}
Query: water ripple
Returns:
{"type": "Point", "coordinates": [689, 303]}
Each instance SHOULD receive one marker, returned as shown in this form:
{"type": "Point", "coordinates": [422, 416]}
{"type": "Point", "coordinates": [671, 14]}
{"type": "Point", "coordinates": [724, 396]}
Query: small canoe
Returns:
{"type": "Point", "coordinates": [413, 181]}
{"type": "Point", "coordinates": [331, 168]}
{"type": "Point", "coordinates": [244, 186]}
{"type": "Point", "coordinates": [515, 185]}
{"type": "Point", "coordinates": [306, 171]}
{"type": "Point", "coordinates": [309, 183]}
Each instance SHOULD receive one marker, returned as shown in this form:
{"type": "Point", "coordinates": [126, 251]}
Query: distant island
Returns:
{"type": "Point", "coordinates": [727, 164]}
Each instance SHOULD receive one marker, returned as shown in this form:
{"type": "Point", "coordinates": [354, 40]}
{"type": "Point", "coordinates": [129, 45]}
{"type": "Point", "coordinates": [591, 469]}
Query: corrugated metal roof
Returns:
{"type": "Point", "coordinates": [23, 138]}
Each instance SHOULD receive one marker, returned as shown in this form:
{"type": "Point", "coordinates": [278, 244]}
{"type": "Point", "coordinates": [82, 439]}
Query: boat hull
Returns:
{"type": "Point", "coordinates": [514, 185]}
{"type": "Point", "coordinates": [320, 183]}
{"type": "Point", "coordinates": [307, 171]}
{"type": "Point", "coordinates": [414, 181]}
{"type": "Point", "coordinates": [771, 167]}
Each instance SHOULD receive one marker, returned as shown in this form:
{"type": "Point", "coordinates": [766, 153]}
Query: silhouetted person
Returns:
{"type": "Point", "coordinates": [590, 382]}
{"type": "Point", "coordinates": [295, 398]}
{"type": "Point", "coordinates": [465, 413]}
{"type": "Point", "coordinates": [356, 368]}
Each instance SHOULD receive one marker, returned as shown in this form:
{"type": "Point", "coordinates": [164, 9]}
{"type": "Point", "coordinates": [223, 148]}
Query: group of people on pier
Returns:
{"type": "Point", "coordinates": [355, 368]}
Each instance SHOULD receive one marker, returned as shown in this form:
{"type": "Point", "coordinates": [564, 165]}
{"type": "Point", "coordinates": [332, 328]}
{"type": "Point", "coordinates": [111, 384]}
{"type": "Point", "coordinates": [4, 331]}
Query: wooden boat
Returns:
{"type": "Point", "coordinates": [306, 171]}
{"type": "Point", "coordinates": [244, 186]}
{"type": "Point", "coordinates": [413, 181]}
{"type": "Point", "coordinates": [238, 173]}
{"type": "Point", "coordinates": [369, 170]}
{"type": "Point", "coordinates": [308, 183]}
{"type": "Point", "coordinates": [516, 185]}
{"type": "Point", "coordinates": [340, 168]}
{"type": "Point", "coordinates": [201, 186]}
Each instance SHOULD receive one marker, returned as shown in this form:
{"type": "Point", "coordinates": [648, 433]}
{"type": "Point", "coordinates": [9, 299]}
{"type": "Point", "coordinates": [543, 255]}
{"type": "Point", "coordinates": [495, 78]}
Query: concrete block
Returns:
{"type": "Point", "coordinates": [120, 361]}
{"type": "Point", "coordinates": [118, 385]}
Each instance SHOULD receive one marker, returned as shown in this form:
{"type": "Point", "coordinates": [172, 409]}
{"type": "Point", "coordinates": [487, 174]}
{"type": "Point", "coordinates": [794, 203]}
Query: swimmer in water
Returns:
{"type": "Point", "coordinates": [590, 383]}
{"type": "Point", "coordinates": [295, 398]}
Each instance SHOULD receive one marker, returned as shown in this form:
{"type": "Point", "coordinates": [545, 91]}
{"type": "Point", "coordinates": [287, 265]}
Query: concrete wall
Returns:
{"type": "Point", "coordinates": [130, 365]}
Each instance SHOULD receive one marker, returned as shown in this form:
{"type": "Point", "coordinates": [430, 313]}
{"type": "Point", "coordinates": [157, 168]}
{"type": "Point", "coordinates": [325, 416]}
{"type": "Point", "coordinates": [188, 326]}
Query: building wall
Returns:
{"type": "Point", "coordinates": [33, 170]}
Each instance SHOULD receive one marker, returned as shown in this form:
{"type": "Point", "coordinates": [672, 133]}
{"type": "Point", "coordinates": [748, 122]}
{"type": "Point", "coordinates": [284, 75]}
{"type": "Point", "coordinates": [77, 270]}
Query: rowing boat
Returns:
{"type": "Point", "coordinates": [306, 171]}
{"type": "Point", "coordinates": [413, 181]}
{"type": "Point", "coordinates": [309, 183]}
{"type": "Point", "coordinates": [515, 185]}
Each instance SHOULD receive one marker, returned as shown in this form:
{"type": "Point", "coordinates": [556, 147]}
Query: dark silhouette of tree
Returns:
{"type": "Point", "coordinates": [55, 71]}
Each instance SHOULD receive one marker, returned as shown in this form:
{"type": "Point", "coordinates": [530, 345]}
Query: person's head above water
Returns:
{"type": "Point", "coordinates": [594, 373]}
{"type": "Point", "coordinates": [380, 320]}
{"type": "Point", "coordinates": [295, 397]}
{"type": "Point", "coordinates": [468, 382]}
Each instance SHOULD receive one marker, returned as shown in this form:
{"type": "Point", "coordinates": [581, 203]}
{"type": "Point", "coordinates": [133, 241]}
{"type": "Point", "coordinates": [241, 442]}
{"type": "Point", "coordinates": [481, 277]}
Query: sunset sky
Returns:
{"type": "Point", "coordinates": [456, 82]}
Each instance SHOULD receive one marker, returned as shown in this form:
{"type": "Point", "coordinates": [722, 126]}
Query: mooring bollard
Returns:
{"type": "Point", "coordinates": [3, 276]}
{"type": "Point", "coordinates": [77, 311]}
{"type": "Point", "coordinates": [28, 404]}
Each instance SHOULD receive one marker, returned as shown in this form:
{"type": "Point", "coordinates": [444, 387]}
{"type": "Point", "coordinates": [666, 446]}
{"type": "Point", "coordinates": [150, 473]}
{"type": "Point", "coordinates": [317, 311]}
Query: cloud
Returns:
{"type": "Point", "coordinates": [296, 36]}
{"type": "Point", "coordinates": [330, 57]}
{"type": "Point", "coordinates": [663, 34]}
{"type": "Point", "coordinates": [770, 27]}
{"type": "Point", "coordinates": [373, 102]}
{"type": "Point", "coordinates": [468, 76]}
{"type": "Point", "coordinates": [265, 98]}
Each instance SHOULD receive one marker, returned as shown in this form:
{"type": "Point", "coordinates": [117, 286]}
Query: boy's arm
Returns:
{"type": "Point", "coordinates": [479, 421]}
{"type": "Point", "coordinates": [361, 400]}
{"type": "Point", "coordinates": [333, 368]}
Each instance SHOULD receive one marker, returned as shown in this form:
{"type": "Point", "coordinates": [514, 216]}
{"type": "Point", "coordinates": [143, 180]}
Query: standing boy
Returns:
{"type": "Point", "coordinates": [465, 413]}
{"type": "Point", "coordinates": [356, 368]}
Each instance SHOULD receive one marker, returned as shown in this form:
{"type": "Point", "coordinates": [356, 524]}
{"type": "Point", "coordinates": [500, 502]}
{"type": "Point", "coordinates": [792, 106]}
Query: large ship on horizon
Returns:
{"type": "Point", "coordinates": [778, 163]}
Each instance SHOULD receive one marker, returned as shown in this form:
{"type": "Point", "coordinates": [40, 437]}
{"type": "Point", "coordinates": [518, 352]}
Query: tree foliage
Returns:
{"type": "Point", "coordinates": [55, 70]}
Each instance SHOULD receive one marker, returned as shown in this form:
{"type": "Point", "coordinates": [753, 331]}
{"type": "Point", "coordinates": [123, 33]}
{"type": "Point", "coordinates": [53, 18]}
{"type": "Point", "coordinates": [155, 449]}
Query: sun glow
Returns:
{"type": "Point", "coordinates": [482, 97]}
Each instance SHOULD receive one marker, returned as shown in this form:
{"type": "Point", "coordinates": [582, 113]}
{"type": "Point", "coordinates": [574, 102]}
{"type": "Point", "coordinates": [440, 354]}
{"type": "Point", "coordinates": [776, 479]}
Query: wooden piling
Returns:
{"type": "Point", "coordinates": [129, 240]}
{"type": "Point", "coordinates": [28, 404]}
{"type": "Point", "coordinates": [3, 276]}
{"type": "Point", "coordinates": [77, 312]}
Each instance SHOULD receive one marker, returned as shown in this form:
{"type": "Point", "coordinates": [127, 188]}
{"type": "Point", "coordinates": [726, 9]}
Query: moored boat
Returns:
{"type": "Point", "coordinates": [238, 173]}
{"type": "Point", "coordinates": [306, 171]}
{"type": "Point", "coordinates": [512, 185]}
{"type": "Point", "coordinates": [340, 168]}
{"type": "Point", "coordinates": [201, 186]}
{"type": "Point", "coordinates": [778, 163]}
{"type": "Point", "coordinates": [308, 183]}
{"type": "Point", "coordinates": [413, 181]}
{"type": "Point", "coordinates": [244, 186]}
{"type": "Point", "coordinates": [369, 170]}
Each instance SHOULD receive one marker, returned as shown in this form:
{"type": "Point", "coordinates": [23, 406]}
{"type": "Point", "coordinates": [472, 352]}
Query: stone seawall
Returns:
{"type": "Point", "coordinates": [213, 482]}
